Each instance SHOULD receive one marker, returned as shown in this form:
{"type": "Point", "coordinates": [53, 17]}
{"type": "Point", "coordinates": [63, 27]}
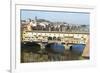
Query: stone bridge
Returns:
{"type": "Point", "coordinates": [43, 38]}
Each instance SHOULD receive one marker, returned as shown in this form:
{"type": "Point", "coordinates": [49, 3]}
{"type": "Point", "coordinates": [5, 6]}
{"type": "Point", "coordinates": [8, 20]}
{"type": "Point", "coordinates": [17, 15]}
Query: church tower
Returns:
{"type": "Point", "coordinates": [35, 20]}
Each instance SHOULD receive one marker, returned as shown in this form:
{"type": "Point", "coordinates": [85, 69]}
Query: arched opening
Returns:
{"type": "Point", "coordinates": [59, 38]}
{"type": "Point", "coordinates": [55, 48]}
{"type": "Point", "coordinates": [48, 47]}
{"type": "Point", "coordinates": [30, 47]}
{"type": "Point", "coordinates": [54, 38]}
{"type": "Point", "coordinates": [49, 38]}
{"type": "Point", "coordinates": [54, 51]}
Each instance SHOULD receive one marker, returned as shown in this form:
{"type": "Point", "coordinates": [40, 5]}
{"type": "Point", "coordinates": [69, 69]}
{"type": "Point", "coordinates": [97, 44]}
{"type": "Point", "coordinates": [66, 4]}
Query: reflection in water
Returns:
{"type": "Point", "coordinates": [32, 52]}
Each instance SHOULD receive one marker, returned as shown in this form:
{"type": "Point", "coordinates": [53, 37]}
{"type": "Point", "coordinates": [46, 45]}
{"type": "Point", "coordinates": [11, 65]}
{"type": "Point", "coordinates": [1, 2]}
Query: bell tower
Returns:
{"type": "Point", "coordinates": [35, 20]}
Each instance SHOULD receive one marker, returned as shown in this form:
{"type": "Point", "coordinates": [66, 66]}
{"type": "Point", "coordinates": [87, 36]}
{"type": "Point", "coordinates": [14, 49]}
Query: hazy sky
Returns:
{"type": "Point", "coordinates": [69, 17]}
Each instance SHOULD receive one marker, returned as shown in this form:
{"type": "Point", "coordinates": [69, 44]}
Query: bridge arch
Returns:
{"type": "Point", "coordinates": [30, 47]}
